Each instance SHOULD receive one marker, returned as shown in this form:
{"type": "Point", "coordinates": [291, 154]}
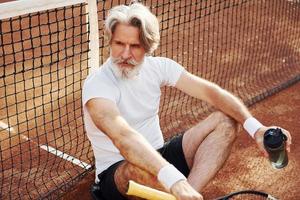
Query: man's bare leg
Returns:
{"type": "Point", "coordinates": [207, 146]}
{"type": "Point", "coordinates": [126, 171]}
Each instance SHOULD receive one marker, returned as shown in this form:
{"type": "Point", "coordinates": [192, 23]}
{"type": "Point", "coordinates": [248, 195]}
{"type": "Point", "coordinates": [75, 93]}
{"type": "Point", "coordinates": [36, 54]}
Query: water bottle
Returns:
{"type": "Point", "coordinates": [274, 142]}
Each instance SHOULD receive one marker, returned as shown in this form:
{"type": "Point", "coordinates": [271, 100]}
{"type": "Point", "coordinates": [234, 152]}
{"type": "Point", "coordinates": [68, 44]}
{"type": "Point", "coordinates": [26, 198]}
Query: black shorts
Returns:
{"type": "Point", "coordinates": [172, 151]}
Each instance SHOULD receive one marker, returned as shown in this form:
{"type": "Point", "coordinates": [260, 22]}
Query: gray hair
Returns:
{"type": "Point", "coordinates": [138, 16]}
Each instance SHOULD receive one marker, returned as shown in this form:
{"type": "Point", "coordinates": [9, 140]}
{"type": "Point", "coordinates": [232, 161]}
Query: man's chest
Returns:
{"type": "Point", "coordinates": [139, 99]}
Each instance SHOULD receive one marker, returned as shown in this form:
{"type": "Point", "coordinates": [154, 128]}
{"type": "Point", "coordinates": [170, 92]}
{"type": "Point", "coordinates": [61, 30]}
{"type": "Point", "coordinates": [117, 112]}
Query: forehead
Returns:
{"type": "Point", "coordinates": [126, 33]}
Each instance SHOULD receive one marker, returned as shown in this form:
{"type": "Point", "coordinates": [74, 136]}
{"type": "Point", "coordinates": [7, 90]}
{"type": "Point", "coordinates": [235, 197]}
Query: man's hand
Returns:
{"type": "Point", "coordinates": [259, 138]}
{"type": "Point", "coordinates": [182, 190]}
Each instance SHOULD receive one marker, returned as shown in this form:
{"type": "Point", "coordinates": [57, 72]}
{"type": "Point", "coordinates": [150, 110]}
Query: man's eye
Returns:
{"type": "Point", "coordinates": [136, 46]}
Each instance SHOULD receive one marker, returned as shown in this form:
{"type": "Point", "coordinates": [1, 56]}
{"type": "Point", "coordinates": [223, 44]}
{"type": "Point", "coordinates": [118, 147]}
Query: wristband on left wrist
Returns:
{"type": "Point", "coordinates": [251, 125]}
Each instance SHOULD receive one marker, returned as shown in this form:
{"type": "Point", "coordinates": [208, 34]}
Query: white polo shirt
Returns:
{"type": "Point", "coordinates": [137, 100]}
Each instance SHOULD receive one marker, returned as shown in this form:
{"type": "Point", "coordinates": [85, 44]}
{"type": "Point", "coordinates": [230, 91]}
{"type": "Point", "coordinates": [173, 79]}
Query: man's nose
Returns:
{"type": "Point", "coordinates": [126, 54]}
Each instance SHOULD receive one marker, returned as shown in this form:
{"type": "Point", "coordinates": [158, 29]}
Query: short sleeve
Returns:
{"type": "Point", "coordinates": [97, 86]}
{"type": "Point", "coordinates": [171, 72]}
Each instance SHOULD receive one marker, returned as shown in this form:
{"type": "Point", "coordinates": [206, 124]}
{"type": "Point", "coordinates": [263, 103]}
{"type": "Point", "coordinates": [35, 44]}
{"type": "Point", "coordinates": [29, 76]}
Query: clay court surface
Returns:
{"type": "Point", "coordinates": [42, 105]}
{"type": "Point", "coordinates": [246, 168]}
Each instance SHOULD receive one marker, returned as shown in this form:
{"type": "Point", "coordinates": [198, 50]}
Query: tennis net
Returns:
{"type": "Point", "coordinates": [44, 59]}
{"type": "Point", "coordinates": [250, 47]}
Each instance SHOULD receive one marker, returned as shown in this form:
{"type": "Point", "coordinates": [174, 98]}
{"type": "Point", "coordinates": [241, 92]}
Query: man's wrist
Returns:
{"type": "Point", "coordinates": [251, 125]}
{"type": "Point", "coordinates": [169, 175]}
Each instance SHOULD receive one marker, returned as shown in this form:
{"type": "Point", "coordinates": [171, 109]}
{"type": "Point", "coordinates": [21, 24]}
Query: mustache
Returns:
{"type": "Point", "coordinates": [128, 61]}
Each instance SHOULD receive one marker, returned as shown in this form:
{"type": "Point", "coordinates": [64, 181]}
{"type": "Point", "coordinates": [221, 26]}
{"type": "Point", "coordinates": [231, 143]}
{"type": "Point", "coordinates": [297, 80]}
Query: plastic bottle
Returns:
{"type": "Point", "coordinates": [274, 142]}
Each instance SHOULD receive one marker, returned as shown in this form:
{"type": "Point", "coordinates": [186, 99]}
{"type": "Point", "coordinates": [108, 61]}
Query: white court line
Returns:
{"type": "Point", "coordinates": [6, 127]}
{"type": "Point", "coordinates": [50, 149]}
{"type": "Point", "coordinates": [65, 156]}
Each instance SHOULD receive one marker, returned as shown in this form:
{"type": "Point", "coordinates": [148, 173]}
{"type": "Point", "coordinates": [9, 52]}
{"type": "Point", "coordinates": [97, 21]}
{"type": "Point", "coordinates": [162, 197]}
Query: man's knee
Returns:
{"type": "Point", "coordinates": [122, 175]}
{"type": "Point", "coordinates": [126, 171]}
{"type": "Point", "coordinates": [227, 126]}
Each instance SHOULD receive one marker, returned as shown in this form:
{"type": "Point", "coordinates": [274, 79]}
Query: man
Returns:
{"type": "Point", "coordinates": [121, 102]}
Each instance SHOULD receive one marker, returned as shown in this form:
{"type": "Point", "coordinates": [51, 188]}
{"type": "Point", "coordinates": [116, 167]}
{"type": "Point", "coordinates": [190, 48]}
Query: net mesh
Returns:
{"type": "Point", "coordinates": [249, 47]}
{"type": "Point", "coordinates": [43, 62]}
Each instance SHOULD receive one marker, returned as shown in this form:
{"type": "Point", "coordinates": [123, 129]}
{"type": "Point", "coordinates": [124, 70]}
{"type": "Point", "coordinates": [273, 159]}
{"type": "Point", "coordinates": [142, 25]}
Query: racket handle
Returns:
{"type": "Point", "coordinates": [145, 192]}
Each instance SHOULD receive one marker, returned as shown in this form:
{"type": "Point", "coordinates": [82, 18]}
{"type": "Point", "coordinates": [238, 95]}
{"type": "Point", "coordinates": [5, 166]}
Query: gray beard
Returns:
{"type": "Point", "coordinates": [124, 72]}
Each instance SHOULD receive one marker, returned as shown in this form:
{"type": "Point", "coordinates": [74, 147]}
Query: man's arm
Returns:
{"type": "Point", "coordinates": [132, 146]}
{"type": "Point", "coordinates": [214, 95]}
{"type": "Point", "coordinates": [135, 149]}
{"type": "Point", "coordinates": [222, 100]}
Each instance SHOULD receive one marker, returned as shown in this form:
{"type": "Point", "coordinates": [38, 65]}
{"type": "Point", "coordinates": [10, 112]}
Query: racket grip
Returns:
{"type": "Point", "coordinates": [145, 192]}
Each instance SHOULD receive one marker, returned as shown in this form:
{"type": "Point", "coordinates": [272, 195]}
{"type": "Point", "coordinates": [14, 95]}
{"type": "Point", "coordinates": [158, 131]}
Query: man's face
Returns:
{"type": "Point", "coordinates": [126, 50]}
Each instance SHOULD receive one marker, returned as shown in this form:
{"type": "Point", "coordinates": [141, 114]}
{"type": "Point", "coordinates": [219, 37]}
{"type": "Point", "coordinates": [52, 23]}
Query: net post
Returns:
{"type": "Point", "coordinates": [93, 61]}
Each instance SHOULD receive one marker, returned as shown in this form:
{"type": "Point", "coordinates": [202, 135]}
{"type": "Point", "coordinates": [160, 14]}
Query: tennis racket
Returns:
{"type": "Point", "coordinates": [145, 192]}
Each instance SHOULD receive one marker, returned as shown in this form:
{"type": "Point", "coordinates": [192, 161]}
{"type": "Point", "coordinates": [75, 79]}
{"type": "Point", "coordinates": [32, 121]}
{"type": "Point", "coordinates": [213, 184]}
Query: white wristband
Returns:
{"type": "Point", "coordinates": [251, 125]}
{"type": "Point", "coordinates": [168, 175]}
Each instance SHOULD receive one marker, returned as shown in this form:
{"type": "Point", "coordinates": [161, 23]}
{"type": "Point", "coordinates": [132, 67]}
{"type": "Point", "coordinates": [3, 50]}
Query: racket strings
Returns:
{"type": "Point", "coordinates": [247, 195]}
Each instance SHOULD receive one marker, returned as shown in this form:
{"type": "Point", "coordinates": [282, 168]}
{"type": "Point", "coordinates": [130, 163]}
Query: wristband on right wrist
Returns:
{"type": "Point", "coordinates": [169, 175]}
{"type": "Point", "coordinates": [251, 125]}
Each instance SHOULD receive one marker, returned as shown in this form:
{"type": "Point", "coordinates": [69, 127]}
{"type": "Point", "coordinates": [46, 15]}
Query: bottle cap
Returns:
{"type": "Point", "coordinates": [273, 138]}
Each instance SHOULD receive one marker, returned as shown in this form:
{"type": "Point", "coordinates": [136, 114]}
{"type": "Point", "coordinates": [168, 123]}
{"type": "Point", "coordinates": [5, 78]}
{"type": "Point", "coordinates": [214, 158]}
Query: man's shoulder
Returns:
{"type": "Point", "coordinates": [102, 74]}
{"type": "Point", "coordinates": [160, 61]}
{"type": "Point", "coordinates": [157, 59]}
{"type": "Point", "coordinates": [154, 63]}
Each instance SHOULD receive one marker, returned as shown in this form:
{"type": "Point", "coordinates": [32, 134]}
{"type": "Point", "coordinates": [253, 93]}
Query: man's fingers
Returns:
{"type": "Point", "coordinates": [266, 154]}
{"type": "Point", "coordinates": [263, 150]}
{"type": "Point", "coordinates": [259, 137]}
{"type": "Point", "coordinates": [289, 140]}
